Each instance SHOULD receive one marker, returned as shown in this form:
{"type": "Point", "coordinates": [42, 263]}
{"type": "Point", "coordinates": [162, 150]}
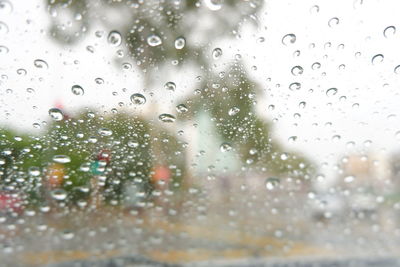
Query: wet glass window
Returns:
{"type": "Point", "coordinates": [199, 133]}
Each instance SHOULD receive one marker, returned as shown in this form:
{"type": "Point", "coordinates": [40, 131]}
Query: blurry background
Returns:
{"type": "Point", "coordinates": [269, 126]}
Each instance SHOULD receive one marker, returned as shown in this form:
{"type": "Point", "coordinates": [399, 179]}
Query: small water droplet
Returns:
{"type": "Point", "coordinates": [272, 183]}
{"type": "Point", "coordinates": [180, 43]}
{"type": "Point", "coordinates": [331, 91]}
{"type": "Point", "coordinates": [292, 139]}
{"type": "Point", "coordinates": [333, 22]}
{"type": "Point", "coordinates": [302, 104]}
{"type": "Point", "coordinates": [77, 90]}
{"type": "Point", "coordinates": [217, 53]}
{"type": "Point", "coordinates": [397, 69]}
{"type": "Point", "coordinates": [225, 147]}
{"type": "Point", "coordinates": [59, 194]}
{"type": "Point", "coordinates": [56, 114]}
{"type": "Point", "coordinates": [40, 64]}
{"type": "Point", "coordinates": [349, 179]}
{"type": "Point", "coordinates": [377, 59]}
{"type": "Point", "coordinates": [3, 28]}
{"type": "Point", "coordinates": [114, 38]}
{"type": "Point", "coordinates": [181, 108]}
{"type": "Point", "coordinates": [389, 31]}
{"type": "Point", "coordinates": [213, 5]}
{"type": "Point", "coordinates": [295, 86]}
{"type": "Point", "coordinates": [61, 159]}
{"type": "Point", "coordinates": [170, 86]}
{"type": "Point", "coordinates": [105, 132]}
{"type": "Point", "coordinates": [316, 65]}
{"type": "Point", "coordinates": [314, 9]}
{"type": "Point", "coordinates": [154, 40]}
{"type": "Point", "coordinates": [297, 70]}
{"type": "Point", "coordinates": [3, 50]}
{"type": "Point", "coordinates": [5, 7]}
{"type": "Point", "coordinates": [284, 156]}
{"type": "Point", "coordinates": [233, 111]}
{"type": "Point", "coordinates": [34, 171]}
{"type": "Point", "coordinates": [138, 99]}
{"type": "Point", "coordinates": [167, 118]}
{"type": "Point", "coordinates": [289, 39]}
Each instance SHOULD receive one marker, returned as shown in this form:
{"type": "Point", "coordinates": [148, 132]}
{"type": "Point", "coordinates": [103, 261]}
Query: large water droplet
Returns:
{"type": "Point", "coordinates": [61, 159]}
{"type": "Point", "coordinates": [297, 70]}
{"type": "Point", "coordinates": [138, 99]}
{"type": "Point", "coordinates": [377, 59]}
{"type": "Point", "coordinates": [289, 39]}
{"type": "Point", "coordinates": [154, 40]}
{"type": "Point", "coordinates": [316, 65]}
{"type": "Point", "coordinates": [389, 31]}
{"type": "Point", "coordinates": [170, 86]}
{"type": "Point", "coordinates": [331, 91]}
{"type": "Point", "coordinates": [56, 114]}
{"type": "Point", "coordinates": [77, 90]}
{"type": "Point", "coordinates": [180, 43]}
{"type": "Point", "coordinates": [167, 118]}
{"type": "Point", "coordinates": [217, 53]}
{"type": "Point", "coordinates": [114, 38]}
{"type": "Point", "coordinates": [225, 147]}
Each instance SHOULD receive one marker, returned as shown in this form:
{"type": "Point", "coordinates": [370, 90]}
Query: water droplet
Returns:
{"type": "Point", "coordinates": [284, 156]}
{"type": "Point", "coordinates": [333, 22]}
{"type": "Point", "coordinates": [77, 90]}
{"type": "Point", "coordinates": [213, 5]}
{"type": "Point", "coordinates": [292, 139]}
{"type": "Point", "coordinates": [5, 7]}
{"type": "Point", "coordinates": [271, 183]}
{"type": "Point", "coordinates": [397, 69]}
{"type": "Point", "coordinates": [349, 179]}
{"type": "Point", "coordinates": [3, 50]}
{"type": "Point", "coordinates": [389, 31]}
{"type": "Point", "coordinates": [217, 53]}
{"type": "Point", "coordinates": [138, 99]}
{"type": "Point", "coordinates": [180, 43]}
{"type": "Point", "coordinates": [331, 92]}
{"type": "Point", "coordinates": [181, 108]}
{"type": "Point", "coordinates": [59, 194]}
{"type": "Point", "coordinates": [167, 118]}
{"type": "Point", "coordinates": [377, 59]}
{"type": "Point", "coordinates": [114, 38]}
{"type": "Point", "coordinates": [233, 111]}
{"type": "Point", "coordinates": [302, 104]}
{"type": "Point", "coordinates": [34, 171]}
{"type": "Point", "coordinates": [154, 40]}
{"type": "Point", "coordinates": [314, 9]}
{"type": "Point", "coordinates": [56, 114]}
{"type": "Point", "coordinates": [3, 28]}
{"type": "Point", "coordinates": [105, 132]}
{"type": "Point", "coordinates": [99, 80]}
{"type": "Point", "coordinates": [316, 65]}
{"type": "Point", "coordinates": [61, 159]}
{"type": "Point", "coordinates": [170, 86]}
{"type": "Point", "coordinates": [289, 39]}
{"type": "Point", "coordinates": [297, 70]}
{"type": "Point", "coordinates": [295, 86]}
{"type": "Point", "coordinates": [40, 64]}
{"type": "Point", "coordinates": [225, 147]}
{"type": "Point", "coordinates": [67, 235]}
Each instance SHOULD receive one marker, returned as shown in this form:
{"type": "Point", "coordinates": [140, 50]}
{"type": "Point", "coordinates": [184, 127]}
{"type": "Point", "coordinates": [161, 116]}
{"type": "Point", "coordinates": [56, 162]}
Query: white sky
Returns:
{"type": "Point", "coordinates": [375, 88]}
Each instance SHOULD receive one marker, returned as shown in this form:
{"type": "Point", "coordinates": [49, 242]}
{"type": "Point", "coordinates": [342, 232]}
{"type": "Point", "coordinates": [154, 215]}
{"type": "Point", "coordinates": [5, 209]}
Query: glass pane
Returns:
{"type": "Point", "coordinates": [206, 132]}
